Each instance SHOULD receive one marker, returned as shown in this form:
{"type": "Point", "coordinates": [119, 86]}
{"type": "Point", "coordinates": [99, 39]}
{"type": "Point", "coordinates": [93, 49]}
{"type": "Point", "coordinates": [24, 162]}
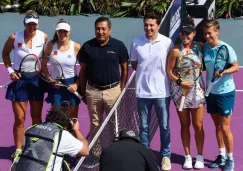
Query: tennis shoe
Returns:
{"type": "Point", "coordinates": [188, 162]}
{"type": "Point", "coordinates": [220, 161]}
{"type": "Point", "coordinates": [229, 165]}
{"type": "Point", "coordinates": [15, 156]}
{"type": "Point", "coordinates": [166, 163]}
{"type": "Point", "coordinates": [199, 162]}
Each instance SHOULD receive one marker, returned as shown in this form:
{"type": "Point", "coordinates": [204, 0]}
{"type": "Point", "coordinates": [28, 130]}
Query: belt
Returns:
{"type": "Point", "coordinates": [104, 87]}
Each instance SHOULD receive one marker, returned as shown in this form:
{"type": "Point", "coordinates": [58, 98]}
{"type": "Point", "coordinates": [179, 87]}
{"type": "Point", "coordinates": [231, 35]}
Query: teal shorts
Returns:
{"type": "Point", "coordinates": [222, 104]}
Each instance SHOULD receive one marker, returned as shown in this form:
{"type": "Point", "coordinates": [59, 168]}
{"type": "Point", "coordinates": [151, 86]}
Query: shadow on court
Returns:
{"type": "Point", "coordinates": [177, 159]}
{"type": "Point", "coordinates": [6, 152]}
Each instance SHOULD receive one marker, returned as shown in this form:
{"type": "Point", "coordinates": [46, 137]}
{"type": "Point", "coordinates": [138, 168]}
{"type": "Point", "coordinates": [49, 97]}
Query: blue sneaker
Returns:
{"type": "Point", "coordinates": [229, 165]}
{"type": "Point", "coordinates": [220, 161]}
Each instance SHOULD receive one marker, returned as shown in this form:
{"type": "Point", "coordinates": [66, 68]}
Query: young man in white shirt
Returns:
{"type": "Point", "coordinates": [148, 56]}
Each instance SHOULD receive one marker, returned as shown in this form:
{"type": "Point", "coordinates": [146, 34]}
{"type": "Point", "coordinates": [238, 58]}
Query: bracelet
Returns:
{"type": "Point", "coordinates": [10, 70]}
{"type": "Point", "coordinates": [178, 81]}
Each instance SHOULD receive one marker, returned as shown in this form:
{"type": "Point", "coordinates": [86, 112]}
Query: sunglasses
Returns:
{"type": "Point", "coordinates": [31, 16]}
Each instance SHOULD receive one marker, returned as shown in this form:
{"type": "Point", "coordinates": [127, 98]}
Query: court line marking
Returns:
{"type": "Point", "coordinates": [1, 63]}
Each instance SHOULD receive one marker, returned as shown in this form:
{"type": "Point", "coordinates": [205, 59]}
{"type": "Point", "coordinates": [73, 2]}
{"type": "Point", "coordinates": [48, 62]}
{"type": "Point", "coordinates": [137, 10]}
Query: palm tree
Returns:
{"type": "Point", "coordinates": [141, 7]}
{"type": "Point", "coordinates": [52, 7]}
{"type": "Point", "coordinates": [3, 3]}
{"type": "Point", "coordinates": [103, 6]}
{"type": "Point", "coordinates": [226, 6]}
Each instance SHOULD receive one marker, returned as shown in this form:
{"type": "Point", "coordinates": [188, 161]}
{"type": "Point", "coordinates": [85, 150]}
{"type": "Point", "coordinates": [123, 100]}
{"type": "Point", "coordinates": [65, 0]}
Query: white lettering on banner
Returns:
{"type": "Point", "coordinates": [175, 22]}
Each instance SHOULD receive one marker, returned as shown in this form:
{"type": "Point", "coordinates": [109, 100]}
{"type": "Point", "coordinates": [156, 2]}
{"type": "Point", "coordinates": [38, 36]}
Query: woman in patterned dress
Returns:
{"type": "Point", "coordinates": [193, 109]}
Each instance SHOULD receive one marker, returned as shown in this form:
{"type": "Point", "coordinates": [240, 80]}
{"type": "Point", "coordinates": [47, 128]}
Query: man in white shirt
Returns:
{"type": "Point", "coordinates": [47, 143]}
{"type": "Point", "coordinates": [148, 56]}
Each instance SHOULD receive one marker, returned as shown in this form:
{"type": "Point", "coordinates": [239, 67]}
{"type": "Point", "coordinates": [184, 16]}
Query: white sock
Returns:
{"type": "Point", "coordinates": [18, 149]}
{"type": "Point", "coordinates": [222, 152]}
{"type": "Point", "coordinates": [230, 155]}
{"type": "Point", "coordinates": [188, 156]}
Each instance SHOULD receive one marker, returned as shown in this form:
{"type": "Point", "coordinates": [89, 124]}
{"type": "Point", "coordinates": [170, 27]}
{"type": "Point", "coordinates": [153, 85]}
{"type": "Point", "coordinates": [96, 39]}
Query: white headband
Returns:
{"type": "Point", "coordinates": [63, 26]}
{"type": "Point", "coordinates": [29, 20]}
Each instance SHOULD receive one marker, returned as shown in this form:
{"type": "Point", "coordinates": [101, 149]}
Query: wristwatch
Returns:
{"type": "Point", "coordinates": [178, 81]}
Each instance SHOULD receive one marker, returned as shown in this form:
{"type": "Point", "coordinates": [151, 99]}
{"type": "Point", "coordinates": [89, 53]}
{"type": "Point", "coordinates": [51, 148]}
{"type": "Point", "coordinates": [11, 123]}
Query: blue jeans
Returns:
{"type": "Point", "coordinates": [161, 106]}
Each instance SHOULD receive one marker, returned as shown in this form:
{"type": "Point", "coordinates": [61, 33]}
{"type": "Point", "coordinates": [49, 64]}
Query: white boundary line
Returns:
{"type": "Point", "coordinates": [1, 63]}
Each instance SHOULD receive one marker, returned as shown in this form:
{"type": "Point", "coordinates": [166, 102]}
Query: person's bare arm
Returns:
{"type": "Point", "coordinates": [124, 74]}
{"type": "Point", "coordinates": [74, 87]}
{"type": "Point", "coordinates": [233, 68]}
{"type": "Point", "coordinates": [134, 65]}
{"type": "Point", "coordinates": [8, 46]}
{"type": "Point", "coordinates": [76, 132]}
{"type": "Point", "coordinates": [171, 64]}
{"type": "Point", "coordinates": [200, 45]}
{"type": "Point", "coordinates": [83, 79]}
{"type": "Point", "coordinates": [46, 54]}
{"type": "Point", "coordinates": [45, 37]}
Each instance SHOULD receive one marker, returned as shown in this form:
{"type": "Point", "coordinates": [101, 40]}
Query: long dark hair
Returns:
{"type": "Point", "coordinates": [189, 20]}
{"type": "Point", "coordinates": [55, 37]}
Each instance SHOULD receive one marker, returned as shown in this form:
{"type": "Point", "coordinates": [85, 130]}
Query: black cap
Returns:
{"type": "Point", "coordinates": [127, 133]}
{"type": "Point", "coordinates": [187, 28]}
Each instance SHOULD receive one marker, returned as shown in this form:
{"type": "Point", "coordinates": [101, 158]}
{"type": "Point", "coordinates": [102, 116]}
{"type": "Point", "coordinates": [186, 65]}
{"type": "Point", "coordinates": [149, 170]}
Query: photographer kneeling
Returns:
{"type": "Point", "coordinates": [47, 143]}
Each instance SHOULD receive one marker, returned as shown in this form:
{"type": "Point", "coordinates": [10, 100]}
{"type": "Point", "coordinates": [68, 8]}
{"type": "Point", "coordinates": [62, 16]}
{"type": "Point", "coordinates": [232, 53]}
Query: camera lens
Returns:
{"type": "Point", "coordinates": [65, 104]}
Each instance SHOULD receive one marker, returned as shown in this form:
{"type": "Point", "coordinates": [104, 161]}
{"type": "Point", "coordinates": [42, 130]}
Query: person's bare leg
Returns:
{"type": "Point", "coordinates": [19, 109]}
{"type": "Point", "coordinates": [185, 122]}
{"type": "Point", "coordinates": [197, 122]}
{"type": "Point", "coordinates": [36, 111]}
{"type": "Point", "coordinates": [226, 132]}
{"type": "Point", "coordinates": [219, 135]}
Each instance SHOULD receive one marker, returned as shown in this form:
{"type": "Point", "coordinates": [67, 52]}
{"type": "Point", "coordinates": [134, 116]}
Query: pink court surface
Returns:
{"type": "Point", "coordinates": [210, 147]}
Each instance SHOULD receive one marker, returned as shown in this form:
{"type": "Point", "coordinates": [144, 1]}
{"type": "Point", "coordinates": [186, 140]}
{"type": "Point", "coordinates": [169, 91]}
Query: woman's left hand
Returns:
{"type": "Point", "coordinates": [72, 87]}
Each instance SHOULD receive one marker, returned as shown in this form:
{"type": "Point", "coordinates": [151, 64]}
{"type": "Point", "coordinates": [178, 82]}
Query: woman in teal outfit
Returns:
{"type": "Point", "coordinates": [220, 101]}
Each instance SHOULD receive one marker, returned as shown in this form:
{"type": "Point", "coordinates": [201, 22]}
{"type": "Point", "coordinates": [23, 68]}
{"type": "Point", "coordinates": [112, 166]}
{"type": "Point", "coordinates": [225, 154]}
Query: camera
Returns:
{"type": "Point", "coordinates": [70, 126]}
{"type": "Point", "coordinates": [65, 105]}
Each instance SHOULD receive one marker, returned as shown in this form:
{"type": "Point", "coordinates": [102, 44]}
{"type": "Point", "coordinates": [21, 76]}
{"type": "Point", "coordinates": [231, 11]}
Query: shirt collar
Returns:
{"type": "Point", "coordinates": [158, 39]}
{"type": "Point", "coordinates": [109, 43]}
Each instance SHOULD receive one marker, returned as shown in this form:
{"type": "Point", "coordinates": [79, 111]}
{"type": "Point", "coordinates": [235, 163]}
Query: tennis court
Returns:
{"type": "Point", "coordinates": [210, 148]}
{"type": "Point", "coordinates": [14, 21]}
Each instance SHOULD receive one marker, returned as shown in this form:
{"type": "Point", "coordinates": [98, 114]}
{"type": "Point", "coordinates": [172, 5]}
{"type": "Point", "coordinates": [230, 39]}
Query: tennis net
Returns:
{"type": "Point", "coordinates": [124, 112]}
{"type": "Point", "coordinates": [125, 109]}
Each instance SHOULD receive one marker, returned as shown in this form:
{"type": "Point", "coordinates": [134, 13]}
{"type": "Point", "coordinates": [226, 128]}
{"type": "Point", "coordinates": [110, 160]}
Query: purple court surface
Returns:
{"type": "Point", "coordinates": [210, 147]}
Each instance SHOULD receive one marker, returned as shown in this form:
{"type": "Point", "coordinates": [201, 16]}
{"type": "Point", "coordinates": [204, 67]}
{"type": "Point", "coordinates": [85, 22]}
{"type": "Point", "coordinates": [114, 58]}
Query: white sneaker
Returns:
{"type": "Point", "coordinates": [199, 162]}
{"type": "Point", "coordinates": [166, 164]}
{"type": "Point", "coordinates": [188, 162]}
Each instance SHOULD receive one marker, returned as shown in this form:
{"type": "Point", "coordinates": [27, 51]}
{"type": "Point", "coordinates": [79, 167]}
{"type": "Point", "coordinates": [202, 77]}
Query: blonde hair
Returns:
{"type": "Point", "coordinates": [212, 23]}
{"type": "Point", "coordinates": [55, 37]}
{"type": "Point", "coordinates": [31, 12]}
